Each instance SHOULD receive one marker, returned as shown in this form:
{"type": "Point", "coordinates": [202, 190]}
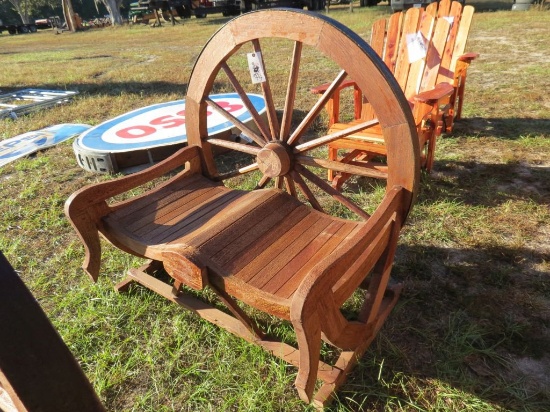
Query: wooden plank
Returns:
{"type": "Point", "coordinates": [279, 258]}
{"type": "Point", "coordinates": [410, 26]}
{"type": "Point", "coordinates": [235, 256]}
{"type": "Point", "coordinates": [182, 224]}
{"type": "Point", "coordinates": [287, 289]}
{"type": "Point", "coordinates": [462, 35]}
{"type": "Point", "coordinates": [265, 257]}
{"type": "Point", "coordinates": [416, 70]}
{"type": "Point", "coordinates": [253, 207]}
{"type": "Point", "coordinates": [445, 74]}
{"type": "Point", "coordinates": [435, 51]}
{"type": "Point", "coordinates": [377, 37]}
{"type": "Point", "coordinates": [393, 39]}
{"type": "Point", "coordinates": [36, 368]}
{"type": "Point", "coordinates": [242, 233]}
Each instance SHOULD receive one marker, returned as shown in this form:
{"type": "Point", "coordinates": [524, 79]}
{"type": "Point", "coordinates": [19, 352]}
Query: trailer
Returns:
{"type": "Point", "coordinates": [144, 10]}
{"type": "Point", "coordinates": [17, 28]}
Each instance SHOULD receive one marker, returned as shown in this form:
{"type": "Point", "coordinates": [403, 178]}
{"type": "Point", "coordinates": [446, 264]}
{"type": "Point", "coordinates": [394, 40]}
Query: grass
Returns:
{"type": "Point", "coordinates": [471, 331]}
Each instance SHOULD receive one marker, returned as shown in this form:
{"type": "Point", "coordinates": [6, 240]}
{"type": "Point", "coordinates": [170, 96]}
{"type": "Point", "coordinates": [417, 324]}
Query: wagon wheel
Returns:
{"type": "Point", "coordinates": [281, 146]}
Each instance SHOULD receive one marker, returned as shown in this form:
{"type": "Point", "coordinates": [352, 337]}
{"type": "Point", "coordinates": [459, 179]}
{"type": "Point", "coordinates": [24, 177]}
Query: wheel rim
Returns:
{"type": "Point", "coordinates": [282, 147]}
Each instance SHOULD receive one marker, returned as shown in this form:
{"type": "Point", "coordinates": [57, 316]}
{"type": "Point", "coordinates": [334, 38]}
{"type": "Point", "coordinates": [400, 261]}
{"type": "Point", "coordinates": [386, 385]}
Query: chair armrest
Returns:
{"type": "Point", "coordinates": [100, 192]}
{"type": "Point", "coordinates": [440, 91]}
{"type": "Point", "coordinates": [333, 104]}
{"type": "Point", "coordinates": [323, 87]}
{"type": "Point", "coordinates": [468, 57]}
{"type": "Point", "coordinates": [358, 253]}
{"type": "Point", "coordinates": [86, 207]}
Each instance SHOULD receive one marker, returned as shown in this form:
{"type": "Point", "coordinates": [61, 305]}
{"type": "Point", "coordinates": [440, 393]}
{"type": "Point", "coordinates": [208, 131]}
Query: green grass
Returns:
{"type": "Point", "coordinates": [471, 331]}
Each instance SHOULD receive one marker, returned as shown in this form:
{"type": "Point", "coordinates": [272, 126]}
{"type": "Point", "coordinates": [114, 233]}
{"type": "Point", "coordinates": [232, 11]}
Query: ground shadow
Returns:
{"type": "Point", "coordinates": [505, 128]}
{"type": "Point", "coordinates": [475, 319]}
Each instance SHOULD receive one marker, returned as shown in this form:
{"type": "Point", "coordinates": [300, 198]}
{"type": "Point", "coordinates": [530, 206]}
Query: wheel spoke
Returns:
{"type": "Point", "coordinates": [248, 104]}
{"type": "Point", "coordinates": [266, 89]}
{"type": "Point", "coordinates": [316, 180]}
{"type": "Point", "coordinates": [291, 91]}
{"type": "Point", "coordinates": [365, 170]}
{"type": "Point", "coordinates": [262, 182]}
{"type": "Point", "coordinates": [238, 172]}
{"type": "Point", "coordinates": [317, 107]}
{"type": "Point", "coordinates": [244, 148]}
{"type": "Point", "coordinates": [290, 187]}
{"type": "Point", "coordinates": [302, 185]}
{"type": "Point", "coordinates": [334, 136]}
{"type": "Point", "coordinates": [240, 125]}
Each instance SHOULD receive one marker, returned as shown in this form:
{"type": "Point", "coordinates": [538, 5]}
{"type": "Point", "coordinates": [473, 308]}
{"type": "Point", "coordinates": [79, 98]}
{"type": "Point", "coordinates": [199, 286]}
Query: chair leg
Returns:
{"type": "Point", "coordinates": [308, 335]}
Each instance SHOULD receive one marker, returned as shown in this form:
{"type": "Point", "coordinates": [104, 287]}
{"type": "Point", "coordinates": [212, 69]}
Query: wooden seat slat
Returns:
{"type": "Point", "coordinates": [269, 254]}
{"type": "Point", "coordinates": [237, 255]}
{"type": "Point", "coordinates": [287, 289]}
{"type": "Point", "coordinates": [159, 213]}
{"type": "Point", "coordinates": [240, 235]}
{"type": "Point", "coordinates": [158, 196]}
{"type": "Point", "coordinates": [292, 250]}
{"type": "Point", "coordinates": [185, 217]}
{"type": "Point", "coordinates": [217, 233]}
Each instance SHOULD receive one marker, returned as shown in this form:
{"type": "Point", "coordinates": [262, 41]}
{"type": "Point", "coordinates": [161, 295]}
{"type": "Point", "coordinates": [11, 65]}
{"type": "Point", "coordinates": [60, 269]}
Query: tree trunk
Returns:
{"type": "Point", "coordinates": [68, 13]}
{"type": "Point", "coordinates": [22, 13]}
{"type": "Point", "coordinates": [113, 7]}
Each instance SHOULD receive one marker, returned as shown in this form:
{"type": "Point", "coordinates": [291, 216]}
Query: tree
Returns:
{"type": "Point", "coordinates": [113, 7]}
{"type": "Point", "coordinates": [27, 9]}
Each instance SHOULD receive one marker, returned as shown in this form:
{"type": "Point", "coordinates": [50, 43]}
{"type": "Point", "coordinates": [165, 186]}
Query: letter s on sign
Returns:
{"type": "Point", "coordinates": [167, 121]}
{"type": "Point", "coordinates": [134, 132]}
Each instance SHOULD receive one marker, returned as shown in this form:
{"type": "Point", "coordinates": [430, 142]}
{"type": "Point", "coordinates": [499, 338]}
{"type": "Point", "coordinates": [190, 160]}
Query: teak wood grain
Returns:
{"type": "Point", "coordinates": [273, 248]}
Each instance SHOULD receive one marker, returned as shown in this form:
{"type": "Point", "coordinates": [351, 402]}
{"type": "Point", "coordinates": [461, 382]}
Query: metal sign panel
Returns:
{"type": "Point", "coordinates": [161, 124]}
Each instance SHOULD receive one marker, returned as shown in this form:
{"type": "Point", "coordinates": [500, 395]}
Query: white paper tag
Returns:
{"type": "Point", "coordinates": [450, 19]}
{"type": "Point", "coordinates": [255, 66]}
{"type": "Point", "coordinates": [416, 47]}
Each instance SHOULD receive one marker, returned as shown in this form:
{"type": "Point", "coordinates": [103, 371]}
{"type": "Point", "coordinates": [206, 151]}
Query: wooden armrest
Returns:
{"type": "Point", "coordinates": [355, 250]}
{"type": "Point", "coordinates": [468, 57]}
{"type": "Point", "coordinates": [439, 92]}
{"type": "Point", "coordinates": [86, 207]}
{"type": "Point", "coordinates": [99, 192]}
{"type": "Point", "coordinates": [323, 87]}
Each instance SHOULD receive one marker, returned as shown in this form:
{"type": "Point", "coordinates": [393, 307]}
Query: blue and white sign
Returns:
{"type": "Point", "coordinates": [162, 124]}
{"type": "Point", "coordinates": [30, 142]}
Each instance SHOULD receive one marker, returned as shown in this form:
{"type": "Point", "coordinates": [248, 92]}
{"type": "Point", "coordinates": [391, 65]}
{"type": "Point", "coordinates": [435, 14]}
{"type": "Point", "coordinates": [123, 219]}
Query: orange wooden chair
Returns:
{"type": "Point", "coordinates": [455, 62]}
{"type": "Point", "coordinates": [273, 248]}
{"type": "Point", "coordinates": [428, 81]}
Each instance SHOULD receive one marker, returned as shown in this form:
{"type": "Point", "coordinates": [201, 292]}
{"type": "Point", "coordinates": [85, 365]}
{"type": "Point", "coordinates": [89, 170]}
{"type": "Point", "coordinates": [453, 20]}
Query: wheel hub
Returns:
{"type": "Point", "coordinates": [274, 160]}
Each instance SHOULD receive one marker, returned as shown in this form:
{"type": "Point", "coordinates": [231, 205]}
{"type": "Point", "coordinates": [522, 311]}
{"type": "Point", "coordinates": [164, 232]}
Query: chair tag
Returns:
{"type": "Point", "coordinates": [256, 68]}
{"type": "Point", "coordinates": [450, 19]}
{"type": "Point", "coordinates": [416, 47]}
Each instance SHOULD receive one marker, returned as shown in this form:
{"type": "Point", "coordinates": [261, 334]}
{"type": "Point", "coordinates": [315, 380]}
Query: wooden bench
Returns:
{"type": "Point", "coordinates": [273, 248]}
{"type": "Point", "coordinates": [433, 83]}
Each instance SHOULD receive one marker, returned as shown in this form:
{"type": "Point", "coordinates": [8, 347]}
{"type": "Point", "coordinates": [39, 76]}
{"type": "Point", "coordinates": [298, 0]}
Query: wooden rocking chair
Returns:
{"type": "Point", "coordinates": [265, 247]}
{"type": "Point", "coordinates": [431, 84]}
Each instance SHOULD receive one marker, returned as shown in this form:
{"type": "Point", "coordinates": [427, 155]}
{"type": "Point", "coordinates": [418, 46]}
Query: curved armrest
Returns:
{"type": "Point", "coordinates": [468, 57]}
{"type": "Point", "coordinates": [357, 254]}
{"type": "Point", "coordinates": [87, 206]}
{"type": "Point", "coordinates": [99, 192]}
{"type": "Point", "coordinates": [440, 91]}
{"type": "Point", "coordinates": [314, 309]}
{"type": "Point", "coordinates": [323, 87]}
